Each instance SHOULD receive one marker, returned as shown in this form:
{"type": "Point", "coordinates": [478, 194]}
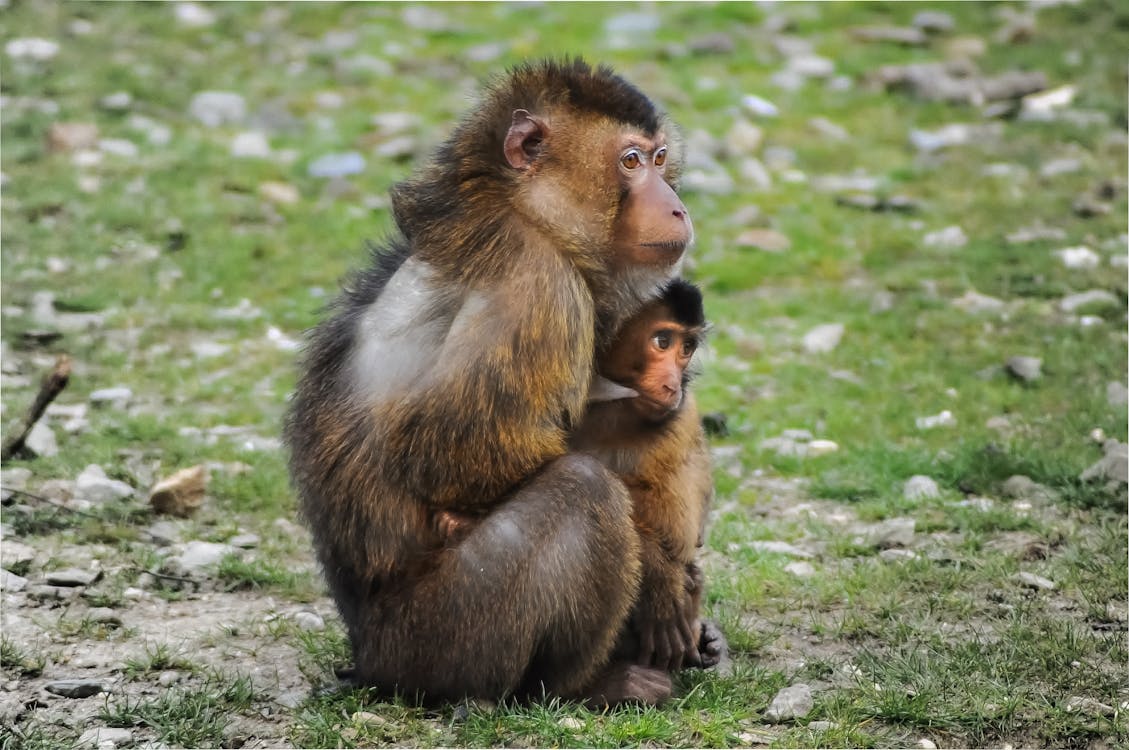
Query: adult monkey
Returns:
{"type": "Point", "coordinates": [449, 377]}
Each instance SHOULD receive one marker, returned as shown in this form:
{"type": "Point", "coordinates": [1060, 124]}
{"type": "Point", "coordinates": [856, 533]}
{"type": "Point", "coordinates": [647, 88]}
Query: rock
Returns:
{"type": "Point", "coordinates": [1116, 394]}
{"type": "Point", "coordinates": [823, 338]}
{"type": "Point", "coordinates": [1035, 233]}
{"type": "Point", "coordinates": [1114, 465]}
{"type": "Point", "coordinates": [182, 493]}
{"type": "Point", "coordinates": [193, 15]}
{"type": "Point", "coordinates": [119, 147]}
{"type": "Point", "coordinates": [955, 134]}
{"type": "Point", "coordinates": [309, 621]}
{"type": "Point", "coordinates": [933, 22]}
{"type": "Point", "coordinates": [1089, 706]}
{"type": "Point", "coordinates": [718, 43]}
{"type": "Point", "coordinates": [1055, 167]}
{"type": "Point", "coordinates": [920, 487]}
{"type": "Point", "coordinates": [116, 396]}
{"type": "Point", "coordinates": [897, 555]}
{"type": "Point", "coordinates": [163, 533]}
{"type": "Point", "coordinates": [957, 82]}
{"type": "Point", "coordinates": [768, 240]}
{"type": "Point", "coordinates": [1035, 582]}
{"type": "Point", "coordinates": [974, 302]}
{"type": "Point", "coordinates": [1087, 206]}
{"type": "Point", "coordinates": [93, 485]}
{"type": "Point", "coordinates": [68, 137]}
{"type": "Point", "coordinates": [753, 172]}
{"type": "Point", "coordinates": [169, 677]}
{"type": "Point", "coordinates": [73, 577]}
{"type": "Point", "coordinates": [1027, 369]}
{"type": "Point", "coordinates": [822, 447]}
{"type": "Point", "coordinates": [926, 744]}
{"type": "Point", "coordinates": [119, 101]}
{"type": "Point", "coordinates": [800, 569]}
{"type": "Point", "coordinates": [244, 541]}
{"type": "Point", "coordinates": [250, 144]}
{"type": "Point", "coordinates": [10, 582]}
{"type": "Point", "coordinates": [75, 688]}
{"type": "Point", "coordinates": [216, 108]}
{"type": "Point", "coordinates": [425, 18]}
{"type": "Point", "coordinates": [743, 138]}
{"type": "Point", "coordinates": [32, 48]}
{"type": "Point", "coordinates": [1078, 257]}
{"type": "Point", "coordinates": [1019, 487]}
{"type": "Point", "coordinates": [12, 479]}
{"type": "Point", "coordinates": [778, 548]}
{"type": "Point", "coordinates": [1039, 106]}
{"type": "Point", "coordinates": [43, 592]}
{"type": "Point", "coordinates": [831, 131]}
{"type": "Point", "coordinates": [1090, 298]}
{"type": "Point", "coordinates": [909, 37]}
{"type": "Point", "coordinates": [893, 532]}
{"type": "Point", "coordinates": [105, 737]}
{"type": "Point", "coordinates": [281, 193]}
{"type": "Point", "coordinates": [571, 723]}
{"type": "Point", "coordinates": [198, 555]}
{"type": "Point", "coordinates": [337, 165]}
{"type": "Point", "coordinates": [949, 237]}
{"type": "Point", "coordinates": [400, 148]}
{"type": "Point", "coordinates": [759, 106]}
{"type": "Point", "coordinates": [713, 183]}
{"type": "Point", "coordinates": [790, 703]}
{"type": "Point", "coordinates": [41, 441]}
{"type": "Point", "coordinates": [104, 616]}
{"type": "Point", "coordinates": [944, 419]}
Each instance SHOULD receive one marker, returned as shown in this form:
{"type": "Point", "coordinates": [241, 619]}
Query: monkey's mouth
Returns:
{"type": "Point", "coordinates": [674, 247]}
{"type": "Point", "coordinates": [658, 410]}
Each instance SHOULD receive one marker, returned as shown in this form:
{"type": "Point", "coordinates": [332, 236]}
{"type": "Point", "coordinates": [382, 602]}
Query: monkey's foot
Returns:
{"type": "Point", "coordinates": [629, 683]}
{"type": "Point", "coordinates": [713, 649]}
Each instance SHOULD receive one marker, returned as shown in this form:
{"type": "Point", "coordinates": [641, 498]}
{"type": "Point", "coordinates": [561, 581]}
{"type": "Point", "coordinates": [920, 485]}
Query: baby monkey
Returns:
{"type": "Point", "coordinates": [642, 423]}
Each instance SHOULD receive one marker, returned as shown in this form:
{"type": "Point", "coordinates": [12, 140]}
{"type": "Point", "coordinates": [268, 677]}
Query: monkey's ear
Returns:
{"type": "Point", "coordinates": [523, 140]}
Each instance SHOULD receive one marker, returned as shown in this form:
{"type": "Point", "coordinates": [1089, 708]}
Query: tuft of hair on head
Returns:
{"type": "Point", "coordinates": [685, 302]}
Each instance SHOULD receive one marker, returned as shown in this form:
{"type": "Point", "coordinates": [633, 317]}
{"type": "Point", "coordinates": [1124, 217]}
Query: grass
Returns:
{"type": "Point", "coordinates": [177, 247]}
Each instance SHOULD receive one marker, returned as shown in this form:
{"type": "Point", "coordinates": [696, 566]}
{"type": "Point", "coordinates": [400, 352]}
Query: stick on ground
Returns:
{"type": "Point", "coordinates": [53, 384]}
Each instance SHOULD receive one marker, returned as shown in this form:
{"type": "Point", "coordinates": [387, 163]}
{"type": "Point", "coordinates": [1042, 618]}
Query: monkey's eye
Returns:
{"type": "Point", "coordinates": [660, 157]}
{"type": "Point", "coordinates": [689, 346]}
{"type": "Point", "coordinates": [661, 340]}
{"type": "Point", "coordinates": [631, 159]}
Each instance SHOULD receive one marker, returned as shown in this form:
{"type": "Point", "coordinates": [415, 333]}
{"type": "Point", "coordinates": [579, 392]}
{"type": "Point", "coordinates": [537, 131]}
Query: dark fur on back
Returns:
{"type": "Point", "coordinates": [685, 302]}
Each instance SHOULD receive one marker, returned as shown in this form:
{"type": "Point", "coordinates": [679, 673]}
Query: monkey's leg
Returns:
{"type": "Point", "coordinates": [545, 581]}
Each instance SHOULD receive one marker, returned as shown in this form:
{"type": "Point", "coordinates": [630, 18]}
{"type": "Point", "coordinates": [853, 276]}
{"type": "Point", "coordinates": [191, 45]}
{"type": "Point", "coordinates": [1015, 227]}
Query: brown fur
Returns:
{"type": "Point", "coordinates": [664, 462]}
{"type": "Point", "coordinates": [447, 379]}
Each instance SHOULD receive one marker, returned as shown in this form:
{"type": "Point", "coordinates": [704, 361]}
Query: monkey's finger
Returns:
{"type": "Point", "coordinates": [662, 649]}
{"type": "Point", "coordinates": [646, 645]}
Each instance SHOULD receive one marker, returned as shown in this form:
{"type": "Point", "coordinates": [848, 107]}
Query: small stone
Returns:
{"type": "Point", "coordinates": [163, 533]}
{"type": "Point", "coordinates": [337, 165]}
{"type": "Point", "coordinates": [800, 569]}
{"type": "Point", "coordinates": [944, 419]}
{"type": "Point", "coordinates": [44, 592]}
{"type": "Point", "coordinates": [398, 149]}
{"type": "Point", "coordinates": [122, 147]}
{"type": "Point", "coordinates": [291, 698]}
{"type": "Point", "coordinates": [897, 555]}
{"type": "Point", "coordinates": [182, 493]}
{"type": "Point", "coordinates": [822, 726]}
{"type": "Point", "coordinates": [759, 106]}
{"type": "Point", "coordinates": [216, 108]}
{"type": "Point", "coordinates": [1090, 298]}
{"type": "Point", "coordinates": [1035, 233]}
{"type": "Point", "coordinates": [1113, 466]}
{"type": "Point", "coordinates": [743, 138]}
{"type": "Point", "coordinates": [1035, 582]}
{"type": "Point", "coordinates": [105, 737]}
{"type": "Point", "coordinates": [831, 131]}
{"type": "Point", "coordinates": [118, 101]}
{"type": "Point", "coordinates": [768, 240]}
{"type": "Point", "coordinates": [41, 441]}
{"type": "Point", "coordinates": [1116, 394]}
{"type": "Point", "coordinates": [104, 616]}
{"type": "Point", "coordinates": [310, 621]}
{"type": "Point", "coordinates": [718, 43]}
{"type": "Point", "coordinates": [169, 677]}
{"type": "Point", "coordinates": [117, 396]}
{"type": "Point", "coordinates": [822, 447]}
{"type": "Point", "coordinates": [244, 541]}
{"type": "Point", "coordinates": [1038, 105]}
{"type": "Point", "coordinates": [1055, 167]}
{"type": "Point", "coordinates": [425, 18]}
{"type": "Point", "coordinates": [75, 688]}
{"type": "Point", "coordinates": [790, 703]}
{"type": "Point", "coordinates": [73, 577]}
{"type": "Point", "coordinates": [909, 37]}
{"type": "Point", "coordinates": [367, 717]}
{"type": "Point", "coordinates": [823, 338]}
{"type": "Point", "coordinates": [194, 15]}
{"type": "Point", "coordinates": [1089, 706]}
{"type": "Point", "coordinates": [920, 487]}
{"type": "Point", "coordinates": [571, 723]}
{"type": "Point", "coordinates": [1027, 369]}
{"type": "Point", "coordinates": [10, 582]}
{"type": "Point", "coordinates": [198, 554]}
{"type": "Point", "coordinates": [94, 486]}
{"type": "Point", "coordinates": [1019, 487]}
{"type": "Point", "coordinates": [32, 48]}
{"type": "Point", "coordinates": [933, 22]}
{"type": "Point", "coordinates": [68, 137]}
{"type": "Point", "coordinates": [974, 302]}
{"type": "Point", "coordinates": [1078, 257]}
{"type": "Point", "coordinates": [250, 144]}
{"type": "Point", "coordinates": [280, 193]}
{"type": "Point", "coordinates": [893, 532]}
{"type": "Point", "coordinates": [778, 548]}
{"type": "Point", "coordinates": [949, 237]}
{"type": "Point", "coordinates": [925, 744]}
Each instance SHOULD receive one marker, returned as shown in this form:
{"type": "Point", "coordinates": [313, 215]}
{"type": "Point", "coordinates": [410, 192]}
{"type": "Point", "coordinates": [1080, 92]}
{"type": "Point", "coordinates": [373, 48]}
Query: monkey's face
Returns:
{"type": "Point", "coordinates": [652, 356]}
{"type": "Point", "coordinates": [653, 227]}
